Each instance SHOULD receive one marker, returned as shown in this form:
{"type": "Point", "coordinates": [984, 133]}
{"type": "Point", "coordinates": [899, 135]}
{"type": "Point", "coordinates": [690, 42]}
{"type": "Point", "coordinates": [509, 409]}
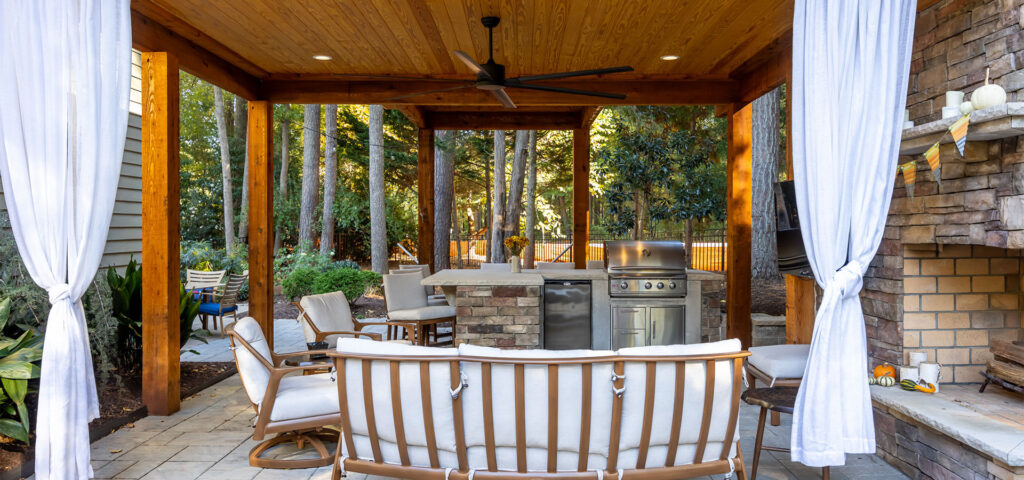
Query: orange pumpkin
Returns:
{"type": "Point", "coordinates": [885, 370]}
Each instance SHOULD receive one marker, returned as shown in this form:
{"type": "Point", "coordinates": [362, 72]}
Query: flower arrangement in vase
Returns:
{"type": "Point", "coordinates": [515, 245]}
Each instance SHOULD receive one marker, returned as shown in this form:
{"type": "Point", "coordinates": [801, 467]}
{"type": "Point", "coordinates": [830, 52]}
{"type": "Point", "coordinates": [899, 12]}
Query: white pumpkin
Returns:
{"type": "Point", "coordinates": [966, 107]}
{"type": "Point", "coordinates": [988, 95]}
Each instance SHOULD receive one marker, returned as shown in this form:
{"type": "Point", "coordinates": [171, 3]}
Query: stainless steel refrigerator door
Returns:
{"type": "Point", "coordinates": [567, 315]}
{"type": "Point", "coordinates": [667, 325]}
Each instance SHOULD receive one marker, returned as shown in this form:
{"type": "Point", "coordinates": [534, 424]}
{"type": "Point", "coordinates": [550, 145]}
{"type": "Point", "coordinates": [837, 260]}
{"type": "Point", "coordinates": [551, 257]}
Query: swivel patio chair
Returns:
{"type": "Point", "coordinates": [299, 408]}
{"type": "Point", "coordinates": [222, 301]}
{"type": "Point", "coordinates": [407, 303]}
{"type": "Point", "coordinates": [327, 317]}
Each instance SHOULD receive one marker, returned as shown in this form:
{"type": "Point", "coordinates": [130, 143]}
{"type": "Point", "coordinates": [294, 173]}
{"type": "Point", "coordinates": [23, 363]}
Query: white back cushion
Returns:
{"type": "Point", "coordinates": [404, 291]}
{"type": "Point", "coordinates": [254, 374]}
{"type": "Point", "coordinates": [410, 391]}
{"type": "Point", "coordinates": [328, 311]}
{"type": "Point", "coordinates": [423, 269]}
{"type": "Point", "coordinates": [695, 377]}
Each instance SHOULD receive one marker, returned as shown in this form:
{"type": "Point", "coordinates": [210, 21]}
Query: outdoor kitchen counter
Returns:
{"type": "Point", "coordinates": [487, 283]}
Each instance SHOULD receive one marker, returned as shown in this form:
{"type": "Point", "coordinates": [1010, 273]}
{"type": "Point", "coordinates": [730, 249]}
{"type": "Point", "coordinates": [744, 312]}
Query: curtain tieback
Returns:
{"type": "Point", "coordinates": [847, 281]}
{"type": "Point", "coordinates": [59, 292]}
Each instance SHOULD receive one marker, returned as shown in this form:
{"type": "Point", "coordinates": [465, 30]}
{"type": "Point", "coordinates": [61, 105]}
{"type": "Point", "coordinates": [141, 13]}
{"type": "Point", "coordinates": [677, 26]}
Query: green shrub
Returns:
{"type": "Point", "coordinates": [299, 282]}
{"type": "Point", "coordinates": [285, 263]}
{"type": "Point", "coordinates": [353, 283]}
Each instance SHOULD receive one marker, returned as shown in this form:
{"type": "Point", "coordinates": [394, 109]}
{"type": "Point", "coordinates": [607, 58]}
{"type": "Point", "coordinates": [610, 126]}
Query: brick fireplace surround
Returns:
{"type": "Point", "coordinates": [947, 277]}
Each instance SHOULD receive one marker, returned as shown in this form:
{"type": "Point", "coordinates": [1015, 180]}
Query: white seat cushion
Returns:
{"type": "Point", "coordinates": [423, 313]}
{"type": "Point", "coordinates": [780, 361]}
{"type": "Point", "coordinates": [304, 396]}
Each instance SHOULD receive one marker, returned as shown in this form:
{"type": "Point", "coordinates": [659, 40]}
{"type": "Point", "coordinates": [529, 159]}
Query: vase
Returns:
{"type": "Point", "coordinates": [514, 260]}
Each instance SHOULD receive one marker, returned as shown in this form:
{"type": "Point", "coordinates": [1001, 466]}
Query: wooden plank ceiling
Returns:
{"type": "Point", "coordinates": [265, 48]}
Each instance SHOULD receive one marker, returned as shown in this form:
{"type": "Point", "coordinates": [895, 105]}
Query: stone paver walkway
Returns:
{"type": "Point", "coordinates": [210, 437]}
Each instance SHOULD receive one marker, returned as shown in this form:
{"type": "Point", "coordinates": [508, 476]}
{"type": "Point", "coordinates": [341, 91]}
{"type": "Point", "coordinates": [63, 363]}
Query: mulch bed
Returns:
{"type": "Point", "coordinates": [366, 306]}
{"type": "Point", "coordinates": [120, 404]}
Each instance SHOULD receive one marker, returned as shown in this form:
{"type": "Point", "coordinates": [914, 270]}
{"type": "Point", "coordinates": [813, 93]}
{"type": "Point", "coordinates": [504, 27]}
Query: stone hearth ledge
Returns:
{"type": "Point", "coordinates": [1000, 121]}
{"type": "Point", "coordinates": [1000, 440]}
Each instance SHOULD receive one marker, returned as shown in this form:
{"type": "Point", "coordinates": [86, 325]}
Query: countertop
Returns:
{"type": "Point", "coordinates": [475, 277]}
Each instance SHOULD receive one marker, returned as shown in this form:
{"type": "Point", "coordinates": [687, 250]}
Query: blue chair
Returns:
{"type": "Point", "coordinates": [223, 301]}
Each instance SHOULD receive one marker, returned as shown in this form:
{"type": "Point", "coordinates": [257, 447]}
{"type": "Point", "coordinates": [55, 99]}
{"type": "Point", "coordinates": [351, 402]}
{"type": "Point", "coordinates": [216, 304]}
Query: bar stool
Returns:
{"type": "Point", "coordinates": [777, 399]}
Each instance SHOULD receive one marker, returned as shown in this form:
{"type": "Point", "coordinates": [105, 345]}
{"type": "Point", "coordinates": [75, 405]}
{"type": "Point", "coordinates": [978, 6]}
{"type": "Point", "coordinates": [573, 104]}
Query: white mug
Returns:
{"type": "Point", "coordinates": [909, 373]}
{"type": "Point", "coordinates": [916, 358]}
{"type": "Point", "coordinates": [931, 373]}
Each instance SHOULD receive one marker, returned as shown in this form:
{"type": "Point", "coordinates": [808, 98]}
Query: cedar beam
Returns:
{"type": "Point", "coordinates": [503, 120]}
{"type": "Point", "coordinates": [738, 223]}
{"type": "Point", "coordinates": [425, 179]}
{"type": "Point", "coordinates": [161, 368]}
{"type": "Point", "coordinates": [149, 35]}
{"type": "Point", "coordinates": [412, 112]}
{"type": "Point", "coordinates": [580, 196]}
{"type": "Point", "coordinates": [767, 70]}
{"type": "Point", "coordinates": [638, 92]}
{"type": "Point", "coordinates": [261, 216]}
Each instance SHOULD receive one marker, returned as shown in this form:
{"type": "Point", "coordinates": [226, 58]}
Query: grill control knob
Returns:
{"type": "Point", "coordinates": [623, 285]}
{"type": "Point", "coordinates": [671, 284]}
{"type": "Point", "coordinates": [647, 285]}
{"type": "Point", "coordinates": [661, 285]}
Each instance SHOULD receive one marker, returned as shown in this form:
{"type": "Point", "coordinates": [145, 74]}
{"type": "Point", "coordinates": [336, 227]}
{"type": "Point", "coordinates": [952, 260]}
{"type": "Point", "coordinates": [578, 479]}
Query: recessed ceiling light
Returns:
{"type": "Point", "coordinates": [669, 58]}
{"type": "Point", "coordinates": [322, 58]}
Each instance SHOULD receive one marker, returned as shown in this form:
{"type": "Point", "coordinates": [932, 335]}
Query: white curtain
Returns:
{"type": "Point", "coordinates": [851, 61]}
{"type": "Point", "coordinates": [64, 86]}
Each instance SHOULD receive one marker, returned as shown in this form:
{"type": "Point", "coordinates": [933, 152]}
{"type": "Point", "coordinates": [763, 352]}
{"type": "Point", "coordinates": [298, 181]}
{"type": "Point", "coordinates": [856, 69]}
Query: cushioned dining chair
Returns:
{"type": "Point", "coordinates": [424, 272]}
{"type": "Point", "coordinates": [195, 279]}
{"type": "Point", "coordinates": [298, 408]}
{"type": "Point", "coordinates": [222, 301]}
{"type": "Point", "coordinates": [407, 303]}
{"type": "Point", "coordinates": [327, 317]}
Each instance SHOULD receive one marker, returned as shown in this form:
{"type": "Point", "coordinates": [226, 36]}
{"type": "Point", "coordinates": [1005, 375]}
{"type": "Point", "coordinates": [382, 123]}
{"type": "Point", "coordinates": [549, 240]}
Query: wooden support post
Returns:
{"type": "Point", "coordinates": [738, 208]}
{"type": "Point", "coordinates": [799, 290]}
{"type": "Point", "coordinates": [261, 216]}
{"type": "Point", "coordinates": [425, 173]}
{"type": "Point", "coordinates": [580, 196]}
{"type": "Point", "coordinates": [161, 368]}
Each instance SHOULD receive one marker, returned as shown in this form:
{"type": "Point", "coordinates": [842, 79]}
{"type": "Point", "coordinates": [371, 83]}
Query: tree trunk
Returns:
{"type": "Point", "coordinates": [241, 132]}
{"type": "Point", "coordinates": [514, 205]}
{"type": "Point", "coordinates": [765, 159]}
{"type": "Point", "coordinates": [487, 214]}
{"type": "Point", "coordinates": [455, 229]}
{"type": "Point", "coordinates": [225, 169]}
{"type": "Point", "coordinates": [310, 175]}
{"type": "Point", "coordinates": [330, 178]}
{"type": "Point", "coordinates": [240, 118]}
{"type": "Point", "coordinates": [689, 242]}
{"type": "Point", "coordinates": [531, 202]}
{"type": "Point", "coordinates": [444, 187]}
{"type": "Point", "coordinates": [378, 222]}
{"type": "Point", "coordinates": [282, 182]}
{"type": "Point", "coordinates": [498, 215]}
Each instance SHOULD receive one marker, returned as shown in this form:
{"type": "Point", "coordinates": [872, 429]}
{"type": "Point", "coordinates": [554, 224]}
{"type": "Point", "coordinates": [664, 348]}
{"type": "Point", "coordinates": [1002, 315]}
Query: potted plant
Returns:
{"type": "Point", "coordinates": [515, 245]}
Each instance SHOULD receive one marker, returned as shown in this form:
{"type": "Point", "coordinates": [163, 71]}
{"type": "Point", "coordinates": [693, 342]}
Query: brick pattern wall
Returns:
{"type": "Point", "coordinates": [922, 453]}
{"type": "Point", "coordinates": [882, 300]}
{"type": "Point", "coordinates": [957, 298]}
{"type": "Point", "coordinates": [954, 41]}
{"type": "Point", "coordinates": [494, 316]}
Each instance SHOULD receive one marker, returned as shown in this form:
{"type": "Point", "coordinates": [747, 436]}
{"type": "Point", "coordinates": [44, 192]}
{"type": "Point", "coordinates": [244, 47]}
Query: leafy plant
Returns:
{"type": "Point", "coordinates": [352, 282]}
{"type": "Point", "coordinates": [299, 282]}
{"type": "Point", "coordinates": [187, 311]}
{"type": "Point", "coordinates": [19, 358]}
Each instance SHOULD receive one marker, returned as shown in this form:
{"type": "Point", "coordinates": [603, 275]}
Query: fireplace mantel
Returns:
{"type": "Point", "coordinates": [1001, 121]}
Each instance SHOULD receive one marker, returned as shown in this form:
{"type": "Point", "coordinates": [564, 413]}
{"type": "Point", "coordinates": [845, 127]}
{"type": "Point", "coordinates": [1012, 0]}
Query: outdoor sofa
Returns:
{"type": "Point", "coordinates": [655, 413]}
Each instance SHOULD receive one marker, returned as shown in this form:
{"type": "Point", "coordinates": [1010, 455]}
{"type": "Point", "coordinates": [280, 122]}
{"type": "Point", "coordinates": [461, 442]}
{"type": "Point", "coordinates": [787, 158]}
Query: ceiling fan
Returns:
{"type": "Point", "coordinates": [490, 76]}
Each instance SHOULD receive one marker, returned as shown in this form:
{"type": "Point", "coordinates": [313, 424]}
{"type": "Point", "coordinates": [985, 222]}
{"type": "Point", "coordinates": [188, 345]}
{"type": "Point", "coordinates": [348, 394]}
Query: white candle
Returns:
{"type": "Point", "coordinates": [906, 115]}
{"type": "Point", "coordinates": [954, 98]}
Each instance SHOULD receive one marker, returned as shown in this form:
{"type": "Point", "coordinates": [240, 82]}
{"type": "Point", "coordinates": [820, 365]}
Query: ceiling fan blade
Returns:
{"type": "Point", "coordinates": [572, 91]}
{"type": "Point", "coordinates": [468, 60]}
{"type": "Point", "coordinates": [392, 77]}
{"type": "Point", "coordinates": [577, 73]}
{"type": "Point", "coordinates": [503, 98]}
{"type": "Point", "coordinates": [428, 92]}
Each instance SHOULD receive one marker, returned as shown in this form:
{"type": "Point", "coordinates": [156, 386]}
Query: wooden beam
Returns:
{"type": "Point", "coordinates": [799, 309]}
{"type": "Point", "coordinates": [503, 120]}
{"type": "Point", "coordinates": [149, 35]}
{"type": "Point", "coordinates": [767, 70]}
{"type": "Point", "coordinates": [638, 92]}
{"type": "Point", "coordinates": [588, 115]}
{"type": "Point", "coordinates": [425, 189]}
{"type": "Point", "coordinates": [412, 112]}
{"type": "Point", "coordinates": [161, 368]}
{"type": "Point", "coordinates": [738, 223]}
{"type": "Point", "coordinates": [261, 215]}
{"type": "Point", "coordinates": [580, 196]}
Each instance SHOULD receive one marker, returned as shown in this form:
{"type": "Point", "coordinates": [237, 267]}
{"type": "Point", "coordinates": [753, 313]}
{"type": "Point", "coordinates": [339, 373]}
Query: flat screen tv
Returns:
{"type": "Point", "coordinates": [792, 257]}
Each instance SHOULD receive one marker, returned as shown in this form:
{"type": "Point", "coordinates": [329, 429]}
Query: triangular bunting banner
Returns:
{"type": "Point", "coordinates": [959, 132]}
{"type": "Point", "coordinates": [909, 170]}
{"type": "Point", "coordinates": [932, 155]}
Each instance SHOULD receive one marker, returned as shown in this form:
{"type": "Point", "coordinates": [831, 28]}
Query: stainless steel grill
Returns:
{"type": "Point", "coordinates": [638, 268]}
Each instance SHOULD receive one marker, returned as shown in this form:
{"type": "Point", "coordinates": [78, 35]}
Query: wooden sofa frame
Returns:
{"type": "Point", "coordinates": [320, 335]}
{"type": "Point", "coordinates": [698, 468]}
